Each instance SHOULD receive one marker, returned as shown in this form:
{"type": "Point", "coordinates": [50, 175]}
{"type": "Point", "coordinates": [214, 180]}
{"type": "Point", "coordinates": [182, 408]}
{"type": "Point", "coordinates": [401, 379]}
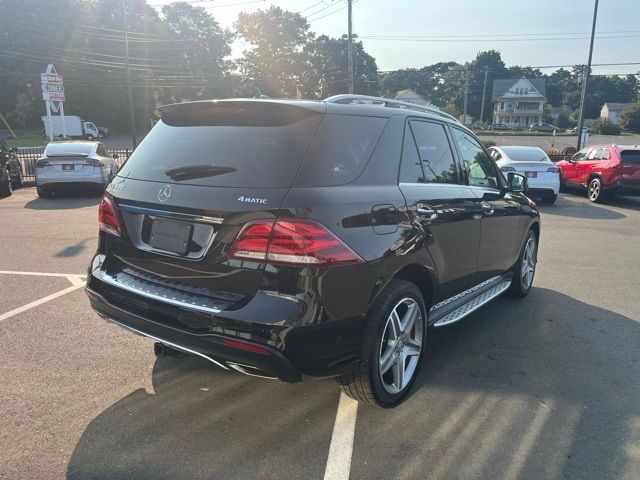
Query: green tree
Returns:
{"type": "Point", "coordinates": [277, 60]}
{"type": "Point", "coordinates": [604, 126]}
{"type": "Point", "coordinates": [630, 118]}
{"type": "Point", "coordinates": [328, 68]}
{"type": "Point", "coordinates": [563, 120]}
{"type": "Point", "coordinates": [202, 49]}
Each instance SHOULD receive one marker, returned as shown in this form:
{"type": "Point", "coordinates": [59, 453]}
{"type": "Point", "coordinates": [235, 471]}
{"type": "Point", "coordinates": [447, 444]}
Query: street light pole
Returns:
{"type": "Point", "coordinates": [586, 76]}
{"type": "Point", "coordinates": [126, 51]}
{"type": "Point", "coordinates": [466, 96]}
{"type": "Point", "coordinates": [350, 48]}
{"type": "Point", "coordinates": [484, 92]}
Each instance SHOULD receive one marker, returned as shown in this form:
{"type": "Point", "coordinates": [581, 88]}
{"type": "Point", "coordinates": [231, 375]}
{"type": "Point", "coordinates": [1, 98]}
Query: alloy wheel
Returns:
{"type": "Point", "coordinates": [528, 268]}
{"type": "Point", "coordinates": [401, 345]}
{"type": "Point", "coordinates": [594, 190]}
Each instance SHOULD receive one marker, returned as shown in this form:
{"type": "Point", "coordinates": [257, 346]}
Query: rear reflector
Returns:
{"type": "Point", "coordinates": [246, 346]}
{"type": "Point", "coordinates": [291, 242]}
{"type": "Point", "coordinates": [107, 217]}
{"type": "Point", "coordinates": [94, 162]}
{"type": "Point", "coordinates": [42, 163]}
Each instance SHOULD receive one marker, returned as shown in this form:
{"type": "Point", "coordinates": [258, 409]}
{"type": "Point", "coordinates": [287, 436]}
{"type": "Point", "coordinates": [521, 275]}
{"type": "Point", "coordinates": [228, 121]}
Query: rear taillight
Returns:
{"type": "Point", "coordinates": [107, 217]}
{"type": "Point", "coordinates": [94, 163]}
{"type": "Point", "coordinates": [42, 163]}
{"type": "Point", "coordinates": [553, 169]}
{"type": "Point", "coordinates": [291, 242]}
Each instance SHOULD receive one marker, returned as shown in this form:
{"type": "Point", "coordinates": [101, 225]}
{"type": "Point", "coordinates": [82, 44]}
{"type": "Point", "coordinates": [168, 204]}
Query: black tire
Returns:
{"type": "Point", "coordinates": [89, 137]}
{"type": "Point", "coordinates": [551, 198]}
{"type": "Point", "coordinates": [519, 288]}
{"type": "Point", "coordinates": [595, 193]}
{"type": "Point", "coordinates": [364, 383]}
{"type": "Point", "coordinates": [5, 188]}
{"type": "Point", "coordinates": [42, 193]}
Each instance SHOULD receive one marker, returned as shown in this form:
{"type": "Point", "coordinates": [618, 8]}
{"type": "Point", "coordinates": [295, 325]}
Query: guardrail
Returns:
{"type": "Point", "coordinates": [28, 156]}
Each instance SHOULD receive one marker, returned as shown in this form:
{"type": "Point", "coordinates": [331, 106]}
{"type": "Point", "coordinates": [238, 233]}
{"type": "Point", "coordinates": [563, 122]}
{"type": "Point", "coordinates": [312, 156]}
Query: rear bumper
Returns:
{"type": "Point", "coordinates": [626, 187]}
{"type": "Point", "coordinates": [258, 359]}
{"type": "Point", "coordinates": [53, 181]}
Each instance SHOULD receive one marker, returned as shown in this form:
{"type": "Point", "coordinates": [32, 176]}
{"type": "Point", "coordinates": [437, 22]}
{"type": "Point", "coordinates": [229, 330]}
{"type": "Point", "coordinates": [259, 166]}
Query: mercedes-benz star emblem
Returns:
{"type": "Point", "coordinates": [164, 193]}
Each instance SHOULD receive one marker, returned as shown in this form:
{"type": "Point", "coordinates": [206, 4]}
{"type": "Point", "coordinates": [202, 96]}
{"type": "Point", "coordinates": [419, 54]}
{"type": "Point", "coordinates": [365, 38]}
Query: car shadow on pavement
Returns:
{"type": "Point", "coordinates": [574, 208]}
{"type": "Point", "coordinates": [545, 387]}
{"type": "Point", "coordinates": [203, 422]}
{"type": "Point", "coordinates": [75, 249]}
{"type": "Point", "coordinates": [66, 201]}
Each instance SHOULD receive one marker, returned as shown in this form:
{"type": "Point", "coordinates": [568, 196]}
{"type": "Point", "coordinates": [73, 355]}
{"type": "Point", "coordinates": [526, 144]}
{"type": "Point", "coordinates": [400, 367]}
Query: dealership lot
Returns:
{"type": "Point", "coordinates": [546, 387]}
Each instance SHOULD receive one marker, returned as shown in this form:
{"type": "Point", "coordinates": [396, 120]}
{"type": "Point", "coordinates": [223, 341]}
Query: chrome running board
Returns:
{"type": "Point", "coordinates": [459, 306]}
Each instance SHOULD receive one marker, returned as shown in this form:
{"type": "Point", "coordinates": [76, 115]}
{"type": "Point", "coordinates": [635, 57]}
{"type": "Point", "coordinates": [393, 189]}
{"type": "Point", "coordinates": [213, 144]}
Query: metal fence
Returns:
{"type": "Point", "coordinates": [29, 156]}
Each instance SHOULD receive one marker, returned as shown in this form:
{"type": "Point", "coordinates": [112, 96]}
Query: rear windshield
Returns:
{"type": "Point", "coordinates": [230, 155]}
{"type": "Point", "coordinates": [256, 150]}
{"type": "Point", "coordinates": [525, 154]}
{"type": "Point", "coordinates": [630, 156]}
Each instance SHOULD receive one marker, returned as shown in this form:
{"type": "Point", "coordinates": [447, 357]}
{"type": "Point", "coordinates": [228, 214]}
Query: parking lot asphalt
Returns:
{"type": "Point", "coordinates": [545, 387]}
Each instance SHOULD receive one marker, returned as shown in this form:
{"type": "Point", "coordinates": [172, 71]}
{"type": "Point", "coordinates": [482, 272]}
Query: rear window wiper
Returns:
{"type": "Point", "coordinates": [197, 171]}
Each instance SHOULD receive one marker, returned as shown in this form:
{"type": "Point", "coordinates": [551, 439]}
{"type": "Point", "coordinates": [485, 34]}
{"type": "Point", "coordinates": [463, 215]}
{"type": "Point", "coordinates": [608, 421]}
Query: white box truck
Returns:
{"type": "Point", "coordinates": [74, 125]}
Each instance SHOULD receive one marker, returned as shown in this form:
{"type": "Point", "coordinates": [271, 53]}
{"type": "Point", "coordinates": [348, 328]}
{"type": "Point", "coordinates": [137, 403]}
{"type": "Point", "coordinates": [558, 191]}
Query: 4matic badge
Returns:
{"type": "Point", "coordinates": [244, 199]}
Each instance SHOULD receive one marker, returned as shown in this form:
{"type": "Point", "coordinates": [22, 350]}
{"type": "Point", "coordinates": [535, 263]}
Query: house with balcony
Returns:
{"type": "Point", "coordinates": [518, 102]}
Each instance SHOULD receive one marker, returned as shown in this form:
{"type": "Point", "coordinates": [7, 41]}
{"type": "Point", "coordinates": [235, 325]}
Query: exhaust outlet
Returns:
{"type": "Point", "coordinates": [162, 350]}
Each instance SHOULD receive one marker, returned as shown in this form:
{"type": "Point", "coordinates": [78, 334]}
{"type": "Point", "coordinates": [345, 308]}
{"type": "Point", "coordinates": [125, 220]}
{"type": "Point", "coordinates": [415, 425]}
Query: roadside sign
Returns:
{"type": "Point", "coordinates": [53, 88]}
{"type": "Point", "coordinates": [51, 78]}
{"type": "Point", "coordinates": [53, 96]}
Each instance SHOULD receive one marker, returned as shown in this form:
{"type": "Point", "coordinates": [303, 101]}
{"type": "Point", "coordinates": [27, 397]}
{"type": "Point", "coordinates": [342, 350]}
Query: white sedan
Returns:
{"type": "Point", "coordinates": [543, 177]}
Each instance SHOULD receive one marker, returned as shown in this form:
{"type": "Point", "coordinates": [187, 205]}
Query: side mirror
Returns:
{"type": "Point", "coordinates": [517, 182]}
{"type": "Point", "coordinates": [115, 156]}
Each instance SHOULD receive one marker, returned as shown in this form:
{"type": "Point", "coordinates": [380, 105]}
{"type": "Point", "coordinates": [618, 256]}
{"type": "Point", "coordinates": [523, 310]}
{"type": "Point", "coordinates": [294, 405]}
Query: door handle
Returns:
{"type": "Point", "coordinates": [487, 208]}
{"type": "Point", "coordinates": [427, 212]}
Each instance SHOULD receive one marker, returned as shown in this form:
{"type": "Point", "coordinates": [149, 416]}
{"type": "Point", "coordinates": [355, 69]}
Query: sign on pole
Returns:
{"type": "Point", "coordinates": [53, 91]}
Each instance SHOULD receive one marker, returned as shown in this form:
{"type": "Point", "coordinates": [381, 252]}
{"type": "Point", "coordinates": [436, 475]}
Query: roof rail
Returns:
{"type": "Point", "coordinates": [388, 102]}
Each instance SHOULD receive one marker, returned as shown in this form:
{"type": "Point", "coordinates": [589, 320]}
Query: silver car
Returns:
{"type": "Point", "coordinates": [74, 163]}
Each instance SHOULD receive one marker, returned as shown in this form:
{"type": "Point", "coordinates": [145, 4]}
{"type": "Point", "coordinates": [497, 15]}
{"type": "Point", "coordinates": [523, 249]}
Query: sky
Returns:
{"type": "Point", "coordinates": [422, 32]}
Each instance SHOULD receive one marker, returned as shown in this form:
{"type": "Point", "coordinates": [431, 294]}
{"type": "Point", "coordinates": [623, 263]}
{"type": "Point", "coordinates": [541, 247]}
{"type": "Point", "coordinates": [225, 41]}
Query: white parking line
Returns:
{"type": "Point", "coordinates": [76, 283]}
{"type": "Point", "coordinates": [341, 448]}
{"type": "Point", "coordinates": [35, 303]}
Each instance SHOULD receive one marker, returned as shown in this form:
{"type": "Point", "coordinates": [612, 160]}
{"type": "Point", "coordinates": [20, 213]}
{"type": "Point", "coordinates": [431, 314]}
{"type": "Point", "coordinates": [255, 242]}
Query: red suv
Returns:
{"type": "Point", "coordinates": [604, 170]}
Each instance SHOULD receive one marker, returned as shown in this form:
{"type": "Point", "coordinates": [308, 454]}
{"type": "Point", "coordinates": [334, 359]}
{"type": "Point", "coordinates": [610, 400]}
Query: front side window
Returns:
{"type": "Point", "coordinates": [434, 151]}
{"type": "Point", "coordinates": [479, 167]}
{"type": "Point", "coordinates": [102, 150]}
{"type": "Point", "coordinates": [581, 154]}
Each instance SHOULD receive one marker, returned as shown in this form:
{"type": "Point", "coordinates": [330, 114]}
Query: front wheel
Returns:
{"type": "Point", "coordinates": [392, 347]}
{"type": "Point", "coordinates": [525, 268]}
{"type": "Point", "coordinates": [89, 137]}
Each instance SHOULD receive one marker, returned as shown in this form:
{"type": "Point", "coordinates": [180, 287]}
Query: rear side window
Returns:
{"type": "Point", "coordinates": [340, 150]}
{"type": "Point", "coordinates": [630, 156]}
{"type": "Point", "coordinates": [434, 152]}
{"type": "Point", "coordinates": [230, 147]}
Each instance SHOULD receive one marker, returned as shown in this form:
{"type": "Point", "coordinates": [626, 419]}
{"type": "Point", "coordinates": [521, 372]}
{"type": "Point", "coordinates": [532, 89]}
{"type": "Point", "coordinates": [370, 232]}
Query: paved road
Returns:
{"type": "Point", "coordinates": [545, 387]}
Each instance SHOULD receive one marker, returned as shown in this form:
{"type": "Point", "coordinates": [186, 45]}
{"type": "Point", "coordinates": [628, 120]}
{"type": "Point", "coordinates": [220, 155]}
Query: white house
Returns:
{"type": "Point", "coordinates": [612, 111]}
{"type": "Point", "coordinates": [518, 103]}
{"type": "Point", "coordinates": [412, 96]}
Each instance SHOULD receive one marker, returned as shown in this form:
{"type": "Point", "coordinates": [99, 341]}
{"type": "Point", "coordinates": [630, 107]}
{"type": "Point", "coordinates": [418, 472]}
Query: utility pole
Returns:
{"type": "Point", "coordinates": [484, 92]}
{"type": "Point", "coordinates": [350, 48]}
{"type": "Point", "coordinates": [586, 76]}
{"type": "Point", "coordinates": [126, 51]}
{"type": "Point", "coordinates": [466, 96]}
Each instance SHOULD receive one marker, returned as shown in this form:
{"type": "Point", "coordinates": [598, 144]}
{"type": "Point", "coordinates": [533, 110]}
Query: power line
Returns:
{"type": "Point", "coordinates": [332, 12]}
{"type": "Point", "coordinates": [463, 40]}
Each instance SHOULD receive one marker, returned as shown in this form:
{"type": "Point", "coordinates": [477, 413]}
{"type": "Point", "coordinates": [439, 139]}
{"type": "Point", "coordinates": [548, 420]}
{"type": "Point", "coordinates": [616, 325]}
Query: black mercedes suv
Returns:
{"type": "Point", "coordinates": [309, 239]}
